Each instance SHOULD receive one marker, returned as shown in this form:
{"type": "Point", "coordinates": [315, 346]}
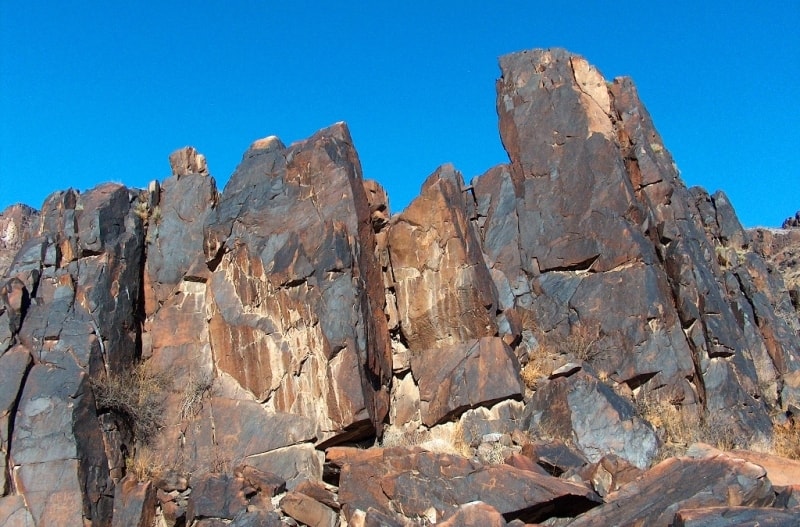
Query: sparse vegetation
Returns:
{"type": "Point", "coordinates": [137, 397]}
{"type": "Point", "coordinates": [144, 465]}
{"type": "Point", "coordinates": [580, 345]}
{"type": "Point", "coordinates": [786, 440]}
{"type": "Point", "coordinates": [192, 400]}
{"type": "Point", "coordinates": [679, 429]}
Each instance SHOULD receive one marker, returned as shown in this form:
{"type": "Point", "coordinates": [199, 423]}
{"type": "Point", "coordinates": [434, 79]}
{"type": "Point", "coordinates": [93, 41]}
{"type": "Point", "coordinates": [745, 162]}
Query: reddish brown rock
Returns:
{"type": "Point", "coordinates": [423, 484]}
{"type": "Point", "coordinates": [134, 504]}
{"type": "Point", "coordinates": [736, 517]}
{"type": "Point", "coordinates": [319, 347]}
{"type": "Point", "coordinates": [683, 483]}
{"type": "Point", "coordinates": [14, 231]}
{"type": "Point", "coordinates": [591, 414]}
{"type": "Point", "coordinates": [309, 511]}
{"type": "Point", "coordinates": [456, 378]}
{"type": "Point", "coordinates": [445, 295]}
{"type": "Point", "coordinates": [217, 496]}
{"type": "Point", "coordinates": [13, 512]}
{"type": "Point", "coordinates": [475, 514]}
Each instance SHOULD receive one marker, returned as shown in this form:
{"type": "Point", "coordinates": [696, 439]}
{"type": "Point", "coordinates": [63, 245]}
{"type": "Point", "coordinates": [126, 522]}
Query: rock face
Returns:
{"type": "Point", "coordinates": [519, 348]}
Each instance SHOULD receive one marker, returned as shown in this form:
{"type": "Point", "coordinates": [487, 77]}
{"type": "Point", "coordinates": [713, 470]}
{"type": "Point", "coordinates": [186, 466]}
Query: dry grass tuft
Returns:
{"type": "Point", "coordinates": [192, 400]}
{"type": "Point", "coordinates": [786, 440]}
{"type": "Point", "coordinates": [137, 396]}
{"type": "Point", "coordinates": [144, 465]}
{"type": "Point", "coordinates": [679, 429]}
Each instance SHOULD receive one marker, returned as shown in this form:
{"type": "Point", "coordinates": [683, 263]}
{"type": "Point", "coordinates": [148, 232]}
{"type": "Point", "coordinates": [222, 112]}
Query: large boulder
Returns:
{"type": "Point", "coordinates": [296, 307]}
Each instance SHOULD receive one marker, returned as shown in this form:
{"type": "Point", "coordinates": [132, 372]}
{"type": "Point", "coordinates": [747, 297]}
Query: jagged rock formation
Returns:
{"type": "Point", "coordinates": [185, 356]}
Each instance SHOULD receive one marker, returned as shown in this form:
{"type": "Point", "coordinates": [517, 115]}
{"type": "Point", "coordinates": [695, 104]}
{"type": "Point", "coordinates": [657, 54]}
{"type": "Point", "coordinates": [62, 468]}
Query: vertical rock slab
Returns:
{"type": "Point", "coordinates": [14, 224]}
{"type": "Point", "coordinates": [698, 239]}
{"type": "Point", "coordinates": [83, 273]}
{"type": "Point", "coordinates": [445, 295]}
{"type": "Point", "coordinates": [14, 367]}
{"type": "Point", "coordinates": [583, 236]}
{"type": "Point", "coordinates": [297, 295]}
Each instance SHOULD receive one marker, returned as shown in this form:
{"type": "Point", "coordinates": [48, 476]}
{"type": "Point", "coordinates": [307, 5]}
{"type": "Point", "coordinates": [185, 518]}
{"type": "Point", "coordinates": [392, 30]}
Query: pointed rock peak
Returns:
{"type": "Point", "coordinates": [337, 131]}
{"type": "Point", "coordinates": [187, 160]}
{"type": "Point", "coordinates": [445, 172]}
{"type": "Point", "coordinates": [268, 144]}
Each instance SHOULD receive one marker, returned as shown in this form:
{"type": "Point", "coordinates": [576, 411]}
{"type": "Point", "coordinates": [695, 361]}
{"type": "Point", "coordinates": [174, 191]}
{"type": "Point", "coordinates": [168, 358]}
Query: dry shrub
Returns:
{"type": "Point", "coordinates": [137, 396]}
{"type": "Point", "coordinates": [580, 343]}
{"type": "Point", "coordinates": [540, 364]}
{"type": "Point", "coordinates": [193, 394]}
{"type": "Point", "coordinates": [786, 440]}
{"type": "Point", "coordinates": [678, 429]}
{"type": "Point", "coordinates": [144, 465]}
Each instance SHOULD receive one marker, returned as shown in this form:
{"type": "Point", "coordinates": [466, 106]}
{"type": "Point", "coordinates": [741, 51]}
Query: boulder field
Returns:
{"type": "Point", "coordinates": [572, 338]}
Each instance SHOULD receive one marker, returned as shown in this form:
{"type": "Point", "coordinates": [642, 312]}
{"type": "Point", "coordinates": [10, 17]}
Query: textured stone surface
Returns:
{"type": "Point", "coordinates": [445, 295]}
{"type": "Point", "coordinates": [736, 517]}
{"type": "Point", "coordinates": [583, 409]}
{"type": "Point", "coordinates": [14, 231]}
{"type": "Point", "coordinates": [134, 504]}
{"type": "Point", "coordinates": [414, 481]}
{"type": "Point", "coordinates": [317, 348]}
{"type": "Point", "coordinates": [309, 511]}
{"type": "Point", "coordinates": [291, 313]}
{"type": "Point", "coordinates": [691, 483]}
{"type": "Point", "coordinates": [457, 378]}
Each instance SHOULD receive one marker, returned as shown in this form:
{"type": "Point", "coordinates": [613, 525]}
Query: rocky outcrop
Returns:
{"type": "Point", "coordinates": [518, 348]}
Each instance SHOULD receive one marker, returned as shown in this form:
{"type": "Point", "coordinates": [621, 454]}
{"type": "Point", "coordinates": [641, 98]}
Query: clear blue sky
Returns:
{"type": "Point", "coordinates": [98, 91]}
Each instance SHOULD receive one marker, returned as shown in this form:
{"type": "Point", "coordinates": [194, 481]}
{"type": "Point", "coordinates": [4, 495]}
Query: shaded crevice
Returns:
{"type": "Point", "coordinates": [12, 416]}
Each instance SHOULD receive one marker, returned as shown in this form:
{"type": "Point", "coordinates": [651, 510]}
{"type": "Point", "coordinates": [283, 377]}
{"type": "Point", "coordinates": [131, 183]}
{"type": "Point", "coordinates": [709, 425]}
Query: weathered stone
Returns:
{"type": "Point", "coordinates": [257, 519]}
{"type": "Point", "coordinates": [599, 421]}
{"type": "Point", "coordinates": [13, 512]}
{"type": "Point", "coordinates": [554, 456]}
{"type": "Point", "coordinates": [463, 376]}
{"type": "Point", "coordinates": [608, 474]}
{"type": "Point", "coordinates": [475, 514]}
{"type": "Point", "coordinates": [14, 366]}
{"type": "Point", "coordinates": [57, 450]}
{"type": "Point", "coordinates": [294, 464]}
{"type": "Point", "coordinates": [319, 491]}
{"type": "Point", "coordinates": [216, 496]}
{"type": "Point", "coordinates": [187, 161]}
{"type": "Point", "coordinates": [14, 231]}
{"type": "Point", "coordinates": [434, 250]}
{"type": "Point", "coordinates": [415, 482]}
{"type": "Point", "coordinates": [320, 346]}
{"type": "Point", "coordinates": [736, 517]}
{"type": "Point", "coordinates": [265, 483]}
{"type": "Point", "coordinates": [134, 504]}
{"type": "Point", "coordinates": [309, 511]}
{"type": "Point", "coordinates": [690, 483]}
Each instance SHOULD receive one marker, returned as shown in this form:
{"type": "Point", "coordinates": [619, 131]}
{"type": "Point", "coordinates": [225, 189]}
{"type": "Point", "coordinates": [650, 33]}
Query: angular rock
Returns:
{"type": "Point", "coordinates": [736, 517]}
{"type": "Point", "coordinates": [475, 514]}
{"type": "Point", "coordinates": [294, 464]}
{"type": "Point", "coordinates": [553, 456]}
{"type": "Point", "coordinates": [14, 232]}
{"type": "Point", "coordinates": [13, 512]}
{"type": "Point", "coordinates": [445, 295]}
{"type": "Point", "coordinates": [216, 496]}
{"type": "Point", "coordinates": [319, 347]}
{"type": "Point", "coordinates": [309, 511]}
{"type": "Point", "coordinates": [457, 378]}
{"type": "Point", "coordinates": [594, 417]}
{"type": "Point", "coordinates": [691, 483]}
{"type": "Point", "coordinates": [423, 484]}
{"type": "Point", "coordinates": [134, 504]}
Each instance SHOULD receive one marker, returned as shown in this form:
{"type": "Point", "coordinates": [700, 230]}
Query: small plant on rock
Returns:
{"type": "Point", "coordinates": [137, 397]}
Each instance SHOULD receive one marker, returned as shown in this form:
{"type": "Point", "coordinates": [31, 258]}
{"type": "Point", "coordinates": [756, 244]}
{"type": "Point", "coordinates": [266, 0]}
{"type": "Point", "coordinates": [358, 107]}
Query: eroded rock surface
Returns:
{"type": "Point", "coordinates": [531, 340]}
